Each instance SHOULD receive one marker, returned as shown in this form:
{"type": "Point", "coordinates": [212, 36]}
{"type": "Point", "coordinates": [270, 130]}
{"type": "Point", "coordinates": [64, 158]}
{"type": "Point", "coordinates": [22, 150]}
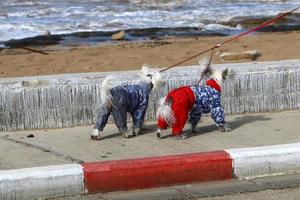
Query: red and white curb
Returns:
{"type": "Point", "coordinates": [75, 179]}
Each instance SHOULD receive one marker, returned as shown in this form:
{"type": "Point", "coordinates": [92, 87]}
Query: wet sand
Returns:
{"type": "Point", "coordinates": [163, 52]}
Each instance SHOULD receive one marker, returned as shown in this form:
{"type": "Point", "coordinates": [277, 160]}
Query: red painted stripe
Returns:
{"type": "Point", "coordinates": [157, 171]}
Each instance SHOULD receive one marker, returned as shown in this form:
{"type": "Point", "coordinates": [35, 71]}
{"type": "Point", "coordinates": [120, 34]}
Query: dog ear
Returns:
{"type": "Point", "coordinates": [227, 73]}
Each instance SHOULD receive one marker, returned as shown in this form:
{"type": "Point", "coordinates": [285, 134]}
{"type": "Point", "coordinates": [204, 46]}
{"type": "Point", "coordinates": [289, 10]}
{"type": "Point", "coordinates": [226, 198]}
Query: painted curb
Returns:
{"type": "Point", "coordinates": [151, 172]}
{"type": "Point", "coordinates": [266, 160]}
{"type": "Point", "coordinates": [41, 182]}
{"type": "Point", "coordinates": [157, 171]}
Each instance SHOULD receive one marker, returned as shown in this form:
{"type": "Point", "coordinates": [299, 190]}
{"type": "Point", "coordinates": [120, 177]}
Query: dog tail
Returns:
{"type": "Point", "coordinates": [106, 86]}
{"type": "Point", "coordinates": [165, 112]}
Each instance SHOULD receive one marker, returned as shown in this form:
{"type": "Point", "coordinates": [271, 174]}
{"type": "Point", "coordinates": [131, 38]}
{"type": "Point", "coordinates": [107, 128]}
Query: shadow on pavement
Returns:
{"type": "Point", "coordinates": [149, 128]}
{"type": "Point", "coordinates": [237, 123]}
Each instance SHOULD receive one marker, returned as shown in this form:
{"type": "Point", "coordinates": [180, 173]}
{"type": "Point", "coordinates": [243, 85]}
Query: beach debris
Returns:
{"type": "Point", "coordinates": [30, 136]}
{"type": "Point", "coordinates": [248, 55]}
{"type": "Point", "coordinates": [118, 36]}
{"type": "Point", "coordinates": [87, 68]}
{"type": "Point", "coordinates": [7, 50]}
{"type": "Point", "coordinates": [34, 50]}
{"type": "Point", "coordinates": [3, 14]}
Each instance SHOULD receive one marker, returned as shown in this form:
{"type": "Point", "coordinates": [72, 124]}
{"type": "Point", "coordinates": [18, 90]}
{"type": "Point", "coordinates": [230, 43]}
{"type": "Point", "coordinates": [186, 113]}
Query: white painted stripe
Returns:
{"type": "Point", "coordinates": [266, 160]}
{"type": "Point", "coordinates": [42, 182]}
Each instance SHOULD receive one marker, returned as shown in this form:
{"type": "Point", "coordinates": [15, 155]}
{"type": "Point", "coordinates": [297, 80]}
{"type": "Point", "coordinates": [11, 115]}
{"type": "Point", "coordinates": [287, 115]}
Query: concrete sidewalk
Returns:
{"type": "Point", "coordinates": [73, 145]}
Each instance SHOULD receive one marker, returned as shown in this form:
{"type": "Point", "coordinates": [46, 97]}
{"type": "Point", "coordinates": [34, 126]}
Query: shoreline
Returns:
{"type": "Point", "coordinates": [231, 27]}
{"type": "Point", "coordinates": [131, 55]}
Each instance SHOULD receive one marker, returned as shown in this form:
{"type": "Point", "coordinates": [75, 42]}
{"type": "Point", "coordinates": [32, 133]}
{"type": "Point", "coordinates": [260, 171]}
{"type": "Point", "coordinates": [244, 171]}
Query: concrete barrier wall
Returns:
{"type": "Point", "coordinates": [73, 99]}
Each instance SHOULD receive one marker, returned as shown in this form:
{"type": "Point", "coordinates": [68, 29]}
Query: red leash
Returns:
{"type": "Point", "coordinates": [234, 38]}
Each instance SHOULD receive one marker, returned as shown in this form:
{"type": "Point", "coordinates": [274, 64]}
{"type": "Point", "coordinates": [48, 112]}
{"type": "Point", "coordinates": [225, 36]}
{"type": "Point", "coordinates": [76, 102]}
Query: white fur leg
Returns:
{"type": "Point", "coordinates": [159, 133]}
{"type": "Point", "coordinates": [95, 134]}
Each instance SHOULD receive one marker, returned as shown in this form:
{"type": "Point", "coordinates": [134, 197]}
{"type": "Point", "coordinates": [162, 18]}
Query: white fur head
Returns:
{"type": "Point", "coordinates": [107, 84]}
{"type": "Point", "coordinates": [221, 75]}
{"type": "Point", "coordinates": [153, 76]}
{"type": "Point", "coordinates": [203, 62]}
{"type": "Point", "coordinates": [218, 75]}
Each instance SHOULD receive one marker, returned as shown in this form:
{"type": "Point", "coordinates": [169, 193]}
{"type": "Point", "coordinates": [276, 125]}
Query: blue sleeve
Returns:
{"type": "Point", "coordinates": [217, 111]}
{"type": "Point", "coordinates": [195, 114]}
{"type": "Point", "coordinates": [139, 114]}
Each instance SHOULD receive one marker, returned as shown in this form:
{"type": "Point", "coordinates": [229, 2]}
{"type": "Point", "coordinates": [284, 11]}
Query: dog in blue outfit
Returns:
{"type": "Point", "coordinates": [122, 99]}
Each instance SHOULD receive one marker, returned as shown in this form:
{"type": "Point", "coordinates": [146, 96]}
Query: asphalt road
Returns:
{"type": "Point", "coordinates": [285, 187]}
{"type": "Point", "coordinates": [278, 194]}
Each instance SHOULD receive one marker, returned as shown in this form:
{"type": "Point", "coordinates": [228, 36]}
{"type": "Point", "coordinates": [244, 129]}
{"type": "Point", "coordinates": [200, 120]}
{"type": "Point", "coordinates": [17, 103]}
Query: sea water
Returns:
{"type": "Point", "coordinates": [28, 18]}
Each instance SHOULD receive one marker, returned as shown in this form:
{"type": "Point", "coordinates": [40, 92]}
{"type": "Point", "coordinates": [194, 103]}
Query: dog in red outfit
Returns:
{"type": "Point", "coordinates": [191, 102]}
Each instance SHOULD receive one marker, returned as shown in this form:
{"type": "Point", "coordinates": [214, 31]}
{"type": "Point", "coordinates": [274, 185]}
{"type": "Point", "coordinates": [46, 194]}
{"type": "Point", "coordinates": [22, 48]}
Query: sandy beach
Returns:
{"type": "Point", "coordinates": [123, 55]}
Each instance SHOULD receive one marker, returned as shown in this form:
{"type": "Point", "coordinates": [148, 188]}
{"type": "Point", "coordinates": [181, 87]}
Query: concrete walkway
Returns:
{"type": "Point", "coordinates": [73, 145]}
